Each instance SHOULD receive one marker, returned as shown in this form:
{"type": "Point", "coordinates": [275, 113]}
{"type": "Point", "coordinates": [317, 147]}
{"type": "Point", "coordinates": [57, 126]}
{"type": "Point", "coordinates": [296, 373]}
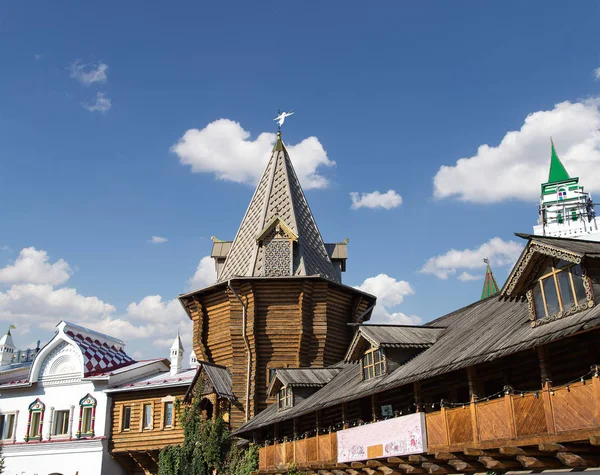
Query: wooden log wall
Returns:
{"type": "Point", "coordinates": [137, 438]}
{"type": "Point", "coordinates": [290, 323]}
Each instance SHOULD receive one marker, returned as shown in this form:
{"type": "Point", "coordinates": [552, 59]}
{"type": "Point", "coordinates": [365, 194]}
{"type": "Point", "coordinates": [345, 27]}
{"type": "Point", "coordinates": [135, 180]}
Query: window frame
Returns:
{"type": "Point", "coordinates": [370, 368]}
{"type": "Point", "coordinates": [552, 278]}
{"type": "Point", "coordinates": [147, 425]}
{"type": "Point", "coordinates": [172, 422]}
{"type": "Point", "coordinates": [285, 397]}
{"type": "Point", "coordinates": [87, 404]}
{"type": "Point", "coordinates": [124, 410]}
{"type": "Point", "coordinates": [55, 423]}
{"type": "Point", "coordinates": [36, 408]}
{"type": "Point", "coordinates": [6, 415]}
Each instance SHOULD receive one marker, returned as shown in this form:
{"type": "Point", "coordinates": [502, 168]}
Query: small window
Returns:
{"type": "Point", "coordinates": [286, 397]}
{"type": "Point", "coordinates": [559, 289]}
{"type": "Point", "coordinates": [373, 363]}
{"type": "Point", "coordinates": [7, 426]}
{"type": "Point", "coordinates": [168, 414]}
{"type": "Point", "coordinates": [87, 416]}
{"type": "Point", "coordinates": [34, 427]}
{"type": "Point", "coordinates": [147, 423]}
{"type": "Point", "coordinates": [36, 420]}
{"type": "Point", "coordinates": [126, 424]}
{"type": "Point", "coordinates": [61, 423]}
{"type": "Point", "coordinates": [86, 420]}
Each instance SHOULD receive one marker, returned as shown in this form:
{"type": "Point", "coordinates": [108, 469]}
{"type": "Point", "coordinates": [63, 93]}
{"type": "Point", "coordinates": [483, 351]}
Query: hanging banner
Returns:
{"type": "Point", "coordinates": [394, 437]}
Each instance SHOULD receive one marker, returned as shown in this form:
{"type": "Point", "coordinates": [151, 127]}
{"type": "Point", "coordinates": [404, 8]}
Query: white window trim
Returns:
{"type": "Point", "coordinates": [52, 429]}
{"type": "Point", "coordinates": [13, 436]}
{"type": "Point", "coordinates": [164, 402]}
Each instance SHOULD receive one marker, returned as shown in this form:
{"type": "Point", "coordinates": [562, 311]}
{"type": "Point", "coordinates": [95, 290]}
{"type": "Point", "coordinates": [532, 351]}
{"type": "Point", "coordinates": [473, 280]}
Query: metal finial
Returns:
{"type": "Point", "coordinates": [280, 119]}
{"type": "Point", "coordinates": [486, 260]}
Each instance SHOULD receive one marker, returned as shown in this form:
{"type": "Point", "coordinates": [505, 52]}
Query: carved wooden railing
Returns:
{"type": "Point", "coordinates": [563, 413]}
{"type": "Point", "coordinates": [317, 449]}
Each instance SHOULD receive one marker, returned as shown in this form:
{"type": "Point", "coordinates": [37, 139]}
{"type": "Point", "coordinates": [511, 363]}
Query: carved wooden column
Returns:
{"type": "Point", "coordinates": [546, 380]}
{"type": "Point", "coordinates": [596, 392]}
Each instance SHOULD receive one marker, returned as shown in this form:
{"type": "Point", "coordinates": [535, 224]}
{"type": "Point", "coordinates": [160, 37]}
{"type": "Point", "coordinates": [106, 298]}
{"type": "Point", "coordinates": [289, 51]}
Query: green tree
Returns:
{"type": "Point", "coordinates": [205, 443]}
{"type": "Point", "coordinates": [2, 467]}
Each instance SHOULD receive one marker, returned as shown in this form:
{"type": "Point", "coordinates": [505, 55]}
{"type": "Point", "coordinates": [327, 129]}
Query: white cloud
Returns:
{"type": "Point", "coordinates": [158, 240]}
{"type": "Point", "coordinates": [153, 308]}
{"type": "Point", "coordinates": [390, 293]}
{"type": "Point", "coordinates": [89, 73]}
{"type": "Point", "coordinates": [225, 149]}
{"type": "Point", "coordinates": [34, 267]}
{"type": "Point", "coordinates": [467, 276]}
{"type": "Point", "coordinates": [205, 274]}
{"type": "Point", "coordinates": [102, 104]}
{"type": "Point", "coordinates": [597, 73]}
{"type": "Point", "coordinates": [43, 302]}
{"type": "Point", "coordinates": [516, 168]}
{"type": "Point", "coordinates": [388, 200]}
{"type": "Point", "coordinates": [498, 251]}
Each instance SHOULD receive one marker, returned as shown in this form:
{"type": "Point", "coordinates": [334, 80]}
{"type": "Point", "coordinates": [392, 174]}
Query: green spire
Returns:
{"type": "Point", "coordinates": [490, 287]}
{"type": "Point", "coordinates": [557, 169]}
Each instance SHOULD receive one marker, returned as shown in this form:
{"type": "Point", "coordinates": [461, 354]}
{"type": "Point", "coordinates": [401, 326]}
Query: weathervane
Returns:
{"type": "Point", "coordinates": [281, 118]}
{"type": "Point", "coordinates": [487, 261]}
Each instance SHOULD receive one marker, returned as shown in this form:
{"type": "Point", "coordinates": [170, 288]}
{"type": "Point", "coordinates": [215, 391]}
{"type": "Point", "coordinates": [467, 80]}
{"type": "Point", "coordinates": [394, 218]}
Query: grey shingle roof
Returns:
{"type": "Point", "coordinates": [577, 246]}
{"type": "Point", "coordinates": [278, 194]}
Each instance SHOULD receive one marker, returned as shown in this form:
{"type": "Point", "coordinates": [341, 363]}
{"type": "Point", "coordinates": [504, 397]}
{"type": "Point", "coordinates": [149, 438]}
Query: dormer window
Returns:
{"type": "Point", "coordinates": [559, 289]}
{"type": "Point", "coordinates": [285, 397]}
{"type": "Point", "coordinates": [373, 363]}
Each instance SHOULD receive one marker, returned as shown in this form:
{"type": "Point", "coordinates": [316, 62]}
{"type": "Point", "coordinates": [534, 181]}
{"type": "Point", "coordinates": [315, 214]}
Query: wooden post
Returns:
{"type": "Point", "coordinates": [344, 415]}
{"type": "Point", "coordinates": [295, 425]}
{"type": "Point", "coordinates": [318, 418]}
{"type": "Point", "coordinates": [546, 380]}
{"type": "Point", "coordinates": [373, 407]}
{"type": "Point", "coordinates": [474, 395]}
{"type": "Point", "coordinates": [418, 400]}
{"type": "Point", "coordinates": [596, 393]}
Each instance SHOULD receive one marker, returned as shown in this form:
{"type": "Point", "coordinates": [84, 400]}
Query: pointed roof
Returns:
{"type": "Point", "coordinates": [490, 287]}
{"type": "Point", "coordinates": [7, 340]}
{"type": "Point", "coordinates": [278, 197]}
{"type": "Point", "coordinates": [177, 345]}
{"type": "Point", "coordinates": [558, 171]}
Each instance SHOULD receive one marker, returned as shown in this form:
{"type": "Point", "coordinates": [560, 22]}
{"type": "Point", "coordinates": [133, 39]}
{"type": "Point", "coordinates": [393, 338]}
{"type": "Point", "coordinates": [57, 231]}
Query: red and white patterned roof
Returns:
{"type": "Point", "coordinates": [98, 355]}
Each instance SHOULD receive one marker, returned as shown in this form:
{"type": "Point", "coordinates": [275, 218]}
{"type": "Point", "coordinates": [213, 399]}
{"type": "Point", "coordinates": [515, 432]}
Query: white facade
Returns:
{"type": "Point", "coordinates": [63, 395]}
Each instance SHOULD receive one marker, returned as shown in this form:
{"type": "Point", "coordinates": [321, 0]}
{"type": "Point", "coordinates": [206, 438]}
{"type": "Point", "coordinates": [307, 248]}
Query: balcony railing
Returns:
{"type": "Point", "coordinates": [559, 414]}
{"type": "Point", "coordinates": [317, 449]}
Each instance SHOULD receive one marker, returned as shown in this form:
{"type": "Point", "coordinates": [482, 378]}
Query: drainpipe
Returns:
{"type": "Point", "coordinates": [245, 337]}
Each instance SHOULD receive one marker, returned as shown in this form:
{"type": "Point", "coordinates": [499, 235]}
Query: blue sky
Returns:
{"type": "Point", "coordinates": [93, 96]}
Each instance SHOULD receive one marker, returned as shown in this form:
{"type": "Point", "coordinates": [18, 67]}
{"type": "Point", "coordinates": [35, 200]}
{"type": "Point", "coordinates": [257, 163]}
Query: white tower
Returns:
{"type": "Point", "coordinates": [176, 355]}
{"type": "Point", "coordinates": [193, 360]}
{"type": "Point", "coordinates": [565, 209]}
{"type": "Point", "coordinates": [7, 350]}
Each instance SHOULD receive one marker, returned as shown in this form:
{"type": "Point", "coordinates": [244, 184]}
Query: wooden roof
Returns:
{"type": "Point", "coordinates": [304, 377]}
{"type": "Point", "coordinates": [485, 330]}
{"type": "Point", "coordinates": [278, 193]}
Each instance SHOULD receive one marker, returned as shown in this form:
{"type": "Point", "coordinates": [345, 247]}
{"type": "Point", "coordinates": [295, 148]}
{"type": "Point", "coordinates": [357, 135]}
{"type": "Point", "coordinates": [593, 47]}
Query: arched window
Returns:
{"type": "Point", "coordinates": [87, 416]}
{"type": "Point", "coordinates": [35, 422]}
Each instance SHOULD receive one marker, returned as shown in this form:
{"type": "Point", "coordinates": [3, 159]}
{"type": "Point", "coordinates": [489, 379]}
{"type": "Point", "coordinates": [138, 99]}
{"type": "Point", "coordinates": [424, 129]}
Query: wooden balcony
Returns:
{"type": "Point", "coordinates": [559, 414]}
{"type": "Point", "coordinates": [554, 428]}
{"type": "Point", "coordinates": [320, 449]}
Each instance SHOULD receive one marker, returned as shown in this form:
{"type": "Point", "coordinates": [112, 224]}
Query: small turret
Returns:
{"type": "Point", "coordinates": [176, 355]}
{"type": "Point", "coordinates": [193, 360]}
{"type": "Point", "coordinates": [7, 349]}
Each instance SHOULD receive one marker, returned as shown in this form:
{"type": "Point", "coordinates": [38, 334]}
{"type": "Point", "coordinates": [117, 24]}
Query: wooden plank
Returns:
{"type": "Point", "coordinates": [495, 464]}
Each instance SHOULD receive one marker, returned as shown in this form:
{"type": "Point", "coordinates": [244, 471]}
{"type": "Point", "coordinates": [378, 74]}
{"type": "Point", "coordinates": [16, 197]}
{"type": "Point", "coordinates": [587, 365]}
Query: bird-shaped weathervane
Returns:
{"type": "Point", "coordinates": [280, 119]}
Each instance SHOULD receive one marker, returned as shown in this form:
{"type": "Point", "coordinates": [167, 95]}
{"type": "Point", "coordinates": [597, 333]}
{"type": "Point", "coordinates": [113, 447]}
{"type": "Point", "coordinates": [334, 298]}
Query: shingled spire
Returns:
{"type": "Point", "coordinates": [490, 287]}
{"type": "Point", "coordinates": [278, 235]}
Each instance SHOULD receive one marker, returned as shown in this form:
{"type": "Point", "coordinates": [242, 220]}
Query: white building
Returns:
{"type": "Point", "coordinates": [54, 413]}
{"type": "Point", "coordinates": [566, 210]}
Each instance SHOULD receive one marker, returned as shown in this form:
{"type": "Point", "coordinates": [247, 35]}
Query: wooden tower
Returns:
{"type": "Point", "coordinates": [279, 300]}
